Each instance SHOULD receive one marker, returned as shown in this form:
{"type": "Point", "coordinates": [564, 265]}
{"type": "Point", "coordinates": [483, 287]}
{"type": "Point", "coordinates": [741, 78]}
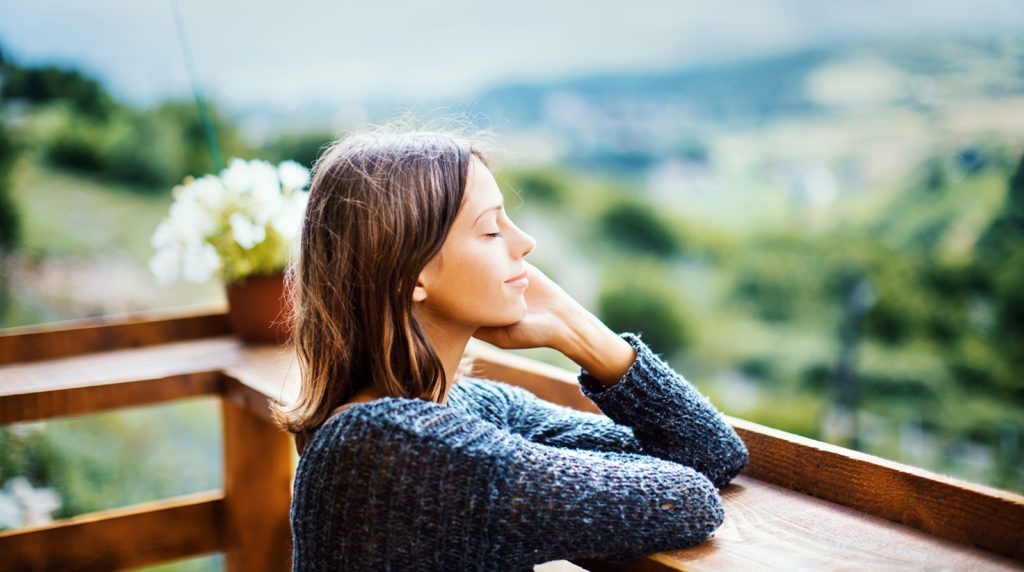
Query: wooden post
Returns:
{"type": "Point", "coordinates": [257, 485]}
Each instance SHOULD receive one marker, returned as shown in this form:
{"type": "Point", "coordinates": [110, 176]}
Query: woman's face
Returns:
{"type": "Point", "coordinates": [479, 276]}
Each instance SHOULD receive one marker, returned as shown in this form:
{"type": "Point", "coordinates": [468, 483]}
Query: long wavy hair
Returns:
{"type": "Point", "coordinates": [380, 207]}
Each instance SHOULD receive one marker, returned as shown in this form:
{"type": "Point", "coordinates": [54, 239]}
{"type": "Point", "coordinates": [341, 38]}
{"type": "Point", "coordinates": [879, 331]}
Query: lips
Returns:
{"type": "Point", "coordinates": [520, 281]}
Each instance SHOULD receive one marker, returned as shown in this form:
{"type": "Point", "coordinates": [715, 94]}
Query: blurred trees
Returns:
{"type": "Point", "coordinates": [999, 271]}
{"type": "Point", "coordinates": [46, 84]}
{"type": "Point", "coordinates": [546, 187]}
{"type": "Point", "coordinates": [635, 226]}
{"type": "Point", "coordinates": [10, 225]}
{"type": "Point", "coordinates": [301, 147]}
{"type": "Point", "coordinates": [76, 125]}
{"type": "Point", "coordinates": [645, 303]}
{"type": "Point", "coordinates": [10, 220]}
{"type": "Point", "coordinates": [114, 459]}
{"type": "Point", "coordinates": [152, 149]}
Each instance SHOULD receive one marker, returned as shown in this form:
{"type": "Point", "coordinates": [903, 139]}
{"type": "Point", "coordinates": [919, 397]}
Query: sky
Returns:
{"type": "Point", "coordinates": [288, 54]}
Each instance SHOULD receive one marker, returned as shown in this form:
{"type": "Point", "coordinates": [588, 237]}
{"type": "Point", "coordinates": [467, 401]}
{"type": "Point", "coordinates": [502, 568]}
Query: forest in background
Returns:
{"type": "Point", "coordinates": [840, 297]}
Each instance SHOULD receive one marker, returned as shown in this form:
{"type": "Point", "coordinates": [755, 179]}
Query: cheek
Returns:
{"type": "Point", "coordinates": [472, 288]}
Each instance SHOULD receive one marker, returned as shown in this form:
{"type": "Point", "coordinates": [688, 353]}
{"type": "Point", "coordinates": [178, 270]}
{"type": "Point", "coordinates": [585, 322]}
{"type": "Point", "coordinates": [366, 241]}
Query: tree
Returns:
{"type": "Point", "coordinates": [542, 186]}
{"type": "Point", "coordinates": [10, 224]}
{"type": "Point", "coordinates": [50, 83]}
{"type": "Point", "coordinates": [637, 226]}
{"type": "Point", "coordinates": [644, 304]}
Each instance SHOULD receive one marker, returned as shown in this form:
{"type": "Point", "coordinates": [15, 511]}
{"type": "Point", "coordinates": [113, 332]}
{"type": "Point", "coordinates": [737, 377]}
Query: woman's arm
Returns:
{"type": "Point", "coordinates": [668, 416]}
{"type": "Point", "coordinates": [651, 410]}
{"type": "Point", "coordinates": [414, 485]}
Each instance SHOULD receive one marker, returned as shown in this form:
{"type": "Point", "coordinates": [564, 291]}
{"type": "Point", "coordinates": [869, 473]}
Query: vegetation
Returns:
{"type": "Point", "coordinates": [79, 460]}
{"type": "Point", "coordinates": [46, 84]}
{"type": "Point", "coordinates": [914, 297]}
{"type": "Point", "coordinates": [10, 224]}
{"type": "Point", "coordinates": [646, 304]}
{"type": "Point", "coordinates": [636, 226]}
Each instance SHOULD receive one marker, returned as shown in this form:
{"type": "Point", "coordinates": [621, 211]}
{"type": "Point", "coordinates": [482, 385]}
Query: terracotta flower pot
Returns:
{"type": "Point", "coordinates": [258, 309]}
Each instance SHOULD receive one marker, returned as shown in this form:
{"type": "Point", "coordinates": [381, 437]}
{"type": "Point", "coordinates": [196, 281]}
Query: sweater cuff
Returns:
{"type": "Point", "coordinates": [647, 377]}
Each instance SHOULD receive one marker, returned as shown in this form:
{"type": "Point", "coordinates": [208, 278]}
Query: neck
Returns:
{"type": "Point", "coordinates": [449, 343]}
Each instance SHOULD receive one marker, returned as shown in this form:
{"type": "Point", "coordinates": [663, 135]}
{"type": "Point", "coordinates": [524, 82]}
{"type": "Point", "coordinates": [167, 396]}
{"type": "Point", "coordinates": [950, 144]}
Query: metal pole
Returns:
{"type": "Point", "coordinates": [197, 92]}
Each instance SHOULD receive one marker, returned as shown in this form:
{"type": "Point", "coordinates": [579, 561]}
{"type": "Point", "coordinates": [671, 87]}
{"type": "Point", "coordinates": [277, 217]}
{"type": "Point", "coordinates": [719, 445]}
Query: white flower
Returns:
{"type": "Point", "coordinates": [257, 185]}
{"type": "Point", "coordinates": [166, 264]}
{"type": "Point", "coordinates": [237, 177]}
{"type": "Point", "coordinates": [190, 222]}
{"type": "Point", "coordinates": [293, 175]}
{"type": "Point", "coordinates": [265, 193]}
{"type": "Point", "coordinates": [210, 192]}
{"type": "Point", "coordinates": [33, 506]}
{"type": "Point", "coordinates": [288, 219]}
{"type": "Point", "coordinates": [247, 233]}
{"type": "Point", "coordinates": [264, 175]}
{"type": "Point", "coordinates": [212, 216]}
{"type": "Point", "coordinates": [164, 236]}
{"type": "Point", "coordinates": [10, 512]}
{"type": "Point", "coordinates": [199, 263]}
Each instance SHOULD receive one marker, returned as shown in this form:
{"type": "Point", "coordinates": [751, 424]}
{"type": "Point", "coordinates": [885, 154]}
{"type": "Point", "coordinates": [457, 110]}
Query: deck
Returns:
{"type": "Point", "coordinates": [800, 504]}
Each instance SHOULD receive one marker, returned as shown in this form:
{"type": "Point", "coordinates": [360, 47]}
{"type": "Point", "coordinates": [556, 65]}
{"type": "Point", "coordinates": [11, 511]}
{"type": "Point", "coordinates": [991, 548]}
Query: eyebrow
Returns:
{"type": "Point", "coordinates": [487, 210]}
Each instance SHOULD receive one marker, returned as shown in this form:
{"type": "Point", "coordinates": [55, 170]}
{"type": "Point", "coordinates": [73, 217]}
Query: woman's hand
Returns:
{"type": "Point", "coordinates": [548, 309]}
{"type": "Point", "coordinates": [555, 320]}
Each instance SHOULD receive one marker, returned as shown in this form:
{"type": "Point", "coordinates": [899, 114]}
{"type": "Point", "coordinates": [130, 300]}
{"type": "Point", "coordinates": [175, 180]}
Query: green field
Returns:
{"type": "Point", "coordinates": [85, 249]}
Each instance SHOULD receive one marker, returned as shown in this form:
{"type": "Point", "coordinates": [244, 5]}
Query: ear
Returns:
{"type": "Point", "coordinates": [419, 293]}
{"type": "Point", "coordinates": [425, 279]}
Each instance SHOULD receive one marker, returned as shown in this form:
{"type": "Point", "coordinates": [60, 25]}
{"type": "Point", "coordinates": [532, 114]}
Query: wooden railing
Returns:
{"type": "Point", "coordinates": [799, 504]}
{"type": "Point", "coordinates": [247, 520]}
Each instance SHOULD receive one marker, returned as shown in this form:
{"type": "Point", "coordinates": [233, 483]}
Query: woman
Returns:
{"type": "Point", "coordinates": [406, 253]}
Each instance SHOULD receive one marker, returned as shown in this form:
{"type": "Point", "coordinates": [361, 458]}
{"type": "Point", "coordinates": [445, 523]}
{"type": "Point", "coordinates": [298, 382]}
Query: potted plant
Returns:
{"type": "Point", "coordinates": [241, 226]}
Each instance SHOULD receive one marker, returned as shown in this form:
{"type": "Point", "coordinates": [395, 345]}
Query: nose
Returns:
{"type": "Point", "coordinates": [524, 243]}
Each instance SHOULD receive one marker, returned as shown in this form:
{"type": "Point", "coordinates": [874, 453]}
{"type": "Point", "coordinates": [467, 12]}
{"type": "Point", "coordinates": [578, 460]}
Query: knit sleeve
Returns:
{"type": "Point", "coordinates": [652, 410]}
{"type": "Point", "coordinates": [435, 489]}
{"type": "Point", "coordinates": [669, 416]}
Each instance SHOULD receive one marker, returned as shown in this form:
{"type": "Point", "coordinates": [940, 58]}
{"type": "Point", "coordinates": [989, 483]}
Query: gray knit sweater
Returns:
{"type": "Point", "coordinates": [497, 479]}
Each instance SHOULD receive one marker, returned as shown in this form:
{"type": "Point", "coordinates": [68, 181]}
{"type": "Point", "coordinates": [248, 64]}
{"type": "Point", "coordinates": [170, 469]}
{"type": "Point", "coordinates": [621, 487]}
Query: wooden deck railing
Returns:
{"type": "Point", "coordinates": [799, 504]}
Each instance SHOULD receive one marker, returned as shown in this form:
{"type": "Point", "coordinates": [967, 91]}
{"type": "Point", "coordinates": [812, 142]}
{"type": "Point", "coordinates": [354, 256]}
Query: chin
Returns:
{"type": "Point", "coordinates": [510, 317]}
{"type": "Point", "coordinates": [521, 311]}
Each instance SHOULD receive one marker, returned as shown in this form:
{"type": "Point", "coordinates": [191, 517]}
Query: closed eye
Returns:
{"type": "Point", "coordinates": [494, 234]}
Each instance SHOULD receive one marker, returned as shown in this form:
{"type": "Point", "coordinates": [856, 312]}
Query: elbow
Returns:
{"type": "Point", "coordinates": [737, 461]}
{"type": "Point", "coordinates": [708, 514]}
{"type": "Point", "coordinates": [731, 463]}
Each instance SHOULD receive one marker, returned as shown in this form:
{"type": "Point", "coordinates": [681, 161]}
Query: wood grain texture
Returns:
{"type": "Point", "coordinates": [210, 354]}
{"type": "Point", "coordinates": [769, 527]}
{"type": "Point", "coordinates": [650, 564]}
{"type": "Point", "coordinates": [49, 404]}
{"type": "Point", "coordinates": [116, 539]}
{"type": "Point", "coordinates": [63, 339]}
{"type": "Point", "coordinates": [270, 370]}
{"type": "Point", "coordinates": [964, 512]}
{"type": "Point", "coordinates": [257, 487]}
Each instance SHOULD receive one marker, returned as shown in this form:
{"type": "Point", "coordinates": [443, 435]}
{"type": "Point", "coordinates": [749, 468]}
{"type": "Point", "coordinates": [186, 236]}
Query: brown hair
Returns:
{"type": "Point", "coordinates": [380, 207]}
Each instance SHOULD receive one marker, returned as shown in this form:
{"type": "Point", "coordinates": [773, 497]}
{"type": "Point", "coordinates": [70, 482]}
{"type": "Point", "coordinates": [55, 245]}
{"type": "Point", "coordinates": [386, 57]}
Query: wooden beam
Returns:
{"type": "Point", "coordinates": [651, 563]}
{"type": "Point", "coordinates": [50, 403]}
{"type": "Point", "coordinates": [257, 488]}
{"type": "Point", "coordinates": [62, 339]}
{"type": "Point", "coordinates": [130, 537]}
{"type": "Point", "coordinates": [771, 528]}
{"type": "Point", "coordinates": [964, 512]}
